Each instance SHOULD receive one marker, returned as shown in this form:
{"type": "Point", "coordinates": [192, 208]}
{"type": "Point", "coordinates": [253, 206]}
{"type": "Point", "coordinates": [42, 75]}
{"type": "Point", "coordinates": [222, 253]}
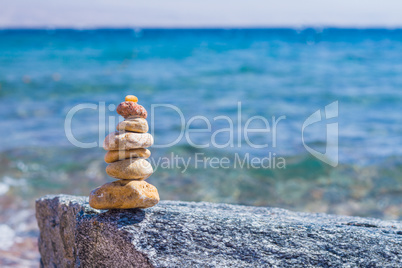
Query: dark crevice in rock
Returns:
{"type": "Point", "coordinates": [357, 224]}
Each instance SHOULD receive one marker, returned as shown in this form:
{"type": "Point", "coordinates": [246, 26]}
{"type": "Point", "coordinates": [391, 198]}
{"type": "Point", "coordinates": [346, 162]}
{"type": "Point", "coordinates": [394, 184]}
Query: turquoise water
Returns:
{"type": "Point", "coordinates": [272, 72]}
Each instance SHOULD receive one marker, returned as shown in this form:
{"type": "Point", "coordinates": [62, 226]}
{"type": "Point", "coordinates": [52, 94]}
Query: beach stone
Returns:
{"type": "Point", "coordinates": [200, 234]}
{"type": "Point", "coordinates": [129, 108]}
{"type": "Point", "coordinates": [133, 124]}
{"type": "Point", "coordinates": [124, 194]}
{"type": "Point", "coordinates": [131, 98]}
{"type": "Point", "coordinates": [127, 140]}
{"type": "Point", "coordinates": [113, 156]}
{"type": "Point", "coordinates": [130, 169]}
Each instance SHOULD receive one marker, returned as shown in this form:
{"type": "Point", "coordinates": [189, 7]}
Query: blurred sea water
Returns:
{"type": "Point", "coordinates": [272, 72]}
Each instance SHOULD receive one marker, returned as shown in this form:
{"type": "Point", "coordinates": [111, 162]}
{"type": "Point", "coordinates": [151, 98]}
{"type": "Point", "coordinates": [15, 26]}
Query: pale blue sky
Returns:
{"type": "Point", "coordinates": [199, 13]}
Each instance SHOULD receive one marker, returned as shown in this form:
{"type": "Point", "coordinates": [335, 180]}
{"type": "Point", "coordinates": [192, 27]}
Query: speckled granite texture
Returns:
{"type": "Point", "coordinates": [185, 234]}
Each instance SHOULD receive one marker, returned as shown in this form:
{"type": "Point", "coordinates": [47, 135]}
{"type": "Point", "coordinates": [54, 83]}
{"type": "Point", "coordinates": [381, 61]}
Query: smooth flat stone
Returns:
{"type": "Point", "coordinates": [127, 140]}
{"type": "Point", "coordinates": [130, 169]}
{"type": "Point", "coordinates": [113, 156]}
{"type": "Point", "coordinates": [134, 124]}
{"type": "Point", "coordinates": [123, 194]}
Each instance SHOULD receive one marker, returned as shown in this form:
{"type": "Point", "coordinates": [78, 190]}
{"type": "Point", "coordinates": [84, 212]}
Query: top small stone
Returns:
{"type": "Point", "coordinates": [131, 98]}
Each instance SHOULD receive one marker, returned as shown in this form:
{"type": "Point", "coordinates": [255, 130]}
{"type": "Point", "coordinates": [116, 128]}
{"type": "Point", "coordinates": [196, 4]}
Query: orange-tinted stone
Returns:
{"type": "Point", "coordinates": [131, 98]}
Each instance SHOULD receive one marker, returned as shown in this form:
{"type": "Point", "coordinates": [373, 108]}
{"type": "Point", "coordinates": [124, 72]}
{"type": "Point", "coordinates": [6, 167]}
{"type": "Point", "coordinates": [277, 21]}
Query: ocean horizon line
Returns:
{"type": "Point", "coordinates": [139, 28]}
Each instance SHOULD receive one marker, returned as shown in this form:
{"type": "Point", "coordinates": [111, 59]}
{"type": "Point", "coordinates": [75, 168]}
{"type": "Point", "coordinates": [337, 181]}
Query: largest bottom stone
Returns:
{"type": "Point", "coordinates": [124, 194]}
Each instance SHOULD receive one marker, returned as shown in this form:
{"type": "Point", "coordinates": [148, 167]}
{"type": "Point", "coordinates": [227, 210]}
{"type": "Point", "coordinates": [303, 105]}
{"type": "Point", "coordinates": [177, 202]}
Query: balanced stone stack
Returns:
{"type": "Point", "coordinates": [126, 157]}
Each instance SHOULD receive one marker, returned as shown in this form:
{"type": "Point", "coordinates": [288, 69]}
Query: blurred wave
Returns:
{"type": "Point", "coordinates": [273, 72]}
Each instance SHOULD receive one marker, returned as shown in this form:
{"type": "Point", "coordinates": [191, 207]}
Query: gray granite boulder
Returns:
{"type": "Point", "coordinates": [185, 234]}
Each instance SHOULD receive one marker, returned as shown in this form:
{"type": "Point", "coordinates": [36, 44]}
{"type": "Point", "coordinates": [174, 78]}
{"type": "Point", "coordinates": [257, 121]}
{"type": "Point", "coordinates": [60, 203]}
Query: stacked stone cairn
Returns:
{"type": "Point", "coordinates": [126, 157]}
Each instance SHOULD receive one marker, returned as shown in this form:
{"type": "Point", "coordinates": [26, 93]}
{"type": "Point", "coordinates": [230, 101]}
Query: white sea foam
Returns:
{"type": "Point", "coordinates": [8, 182]}
{"type": "Point", "coordinates": [14, 182]}
{"type": "Point", "coordinates": [7, 236]}
{"type": "Point", "coordinates": [4, 188]}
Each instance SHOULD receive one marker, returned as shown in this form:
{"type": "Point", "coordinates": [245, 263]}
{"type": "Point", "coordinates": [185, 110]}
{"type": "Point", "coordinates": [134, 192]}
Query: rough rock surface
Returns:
{"type": "Point", "coordinates": [182, 234]}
